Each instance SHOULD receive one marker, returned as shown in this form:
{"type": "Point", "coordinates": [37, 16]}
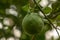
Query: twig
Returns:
{"type": "Point", "coordinates": [57, 31]}
{"type": "Point", "coordinates": [46, 16]}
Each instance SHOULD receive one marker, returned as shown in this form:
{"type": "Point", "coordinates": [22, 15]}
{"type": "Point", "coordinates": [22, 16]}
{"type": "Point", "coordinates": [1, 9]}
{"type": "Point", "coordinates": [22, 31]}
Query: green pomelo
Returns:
{"type": "Point", "coordinates": [32, 23]}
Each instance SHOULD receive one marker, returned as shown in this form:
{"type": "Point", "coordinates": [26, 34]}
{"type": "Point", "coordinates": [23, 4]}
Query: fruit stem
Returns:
{"type": "Point", "coordinates": [33, 38]}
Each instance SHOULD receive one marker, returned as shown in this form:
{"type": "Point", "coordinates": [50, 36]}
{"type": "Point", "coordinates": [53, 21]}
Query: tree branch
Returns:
{"type": "Point", "coordinates": [46, 17]}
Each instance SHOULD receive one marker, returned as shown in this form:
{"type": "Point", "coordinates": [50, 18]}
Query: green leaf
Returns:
{"type": "Point", "coordinates": [47, 10]}
{"type": "Point", "coordinates": [24, 36]}
{"type": "Point", "coordinates": [40, 37]}
{"type": "Point", "coordinates": [45, 28]}
{"type": "Point", "coordinates": [58, 20]}
{"type": "Point", "coordinates": [55, 10]}
{"type": "Point", "coordinates": [25, 8]}
{"type": "Point", "coordinates": [56, 6]}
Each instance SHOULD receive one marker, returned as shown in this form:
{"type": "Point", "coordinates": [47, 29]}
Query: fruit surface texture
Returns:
{"type": "Point", "coordinates": [32, 23]}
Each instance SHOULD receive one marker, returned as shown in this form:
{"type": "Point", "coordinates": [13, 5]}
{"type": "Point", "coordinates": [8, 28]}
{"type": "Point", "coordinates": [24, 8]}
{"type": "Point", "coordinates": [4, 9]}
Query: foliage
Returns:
{"type": "Point", "coordinates": [24, 7]}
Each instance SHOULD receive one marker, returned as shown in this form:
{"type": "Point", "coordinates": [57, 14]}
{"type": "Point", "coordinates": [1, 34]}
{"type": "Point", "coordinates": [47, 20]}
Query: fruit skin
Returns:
{"type": "Point", "coordinates": [32, 23]}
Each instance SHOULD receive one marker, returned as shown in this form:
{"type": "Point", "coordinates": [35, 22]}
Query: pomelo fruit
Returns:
{"type": "Point", "coordinates": [32, 23]}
